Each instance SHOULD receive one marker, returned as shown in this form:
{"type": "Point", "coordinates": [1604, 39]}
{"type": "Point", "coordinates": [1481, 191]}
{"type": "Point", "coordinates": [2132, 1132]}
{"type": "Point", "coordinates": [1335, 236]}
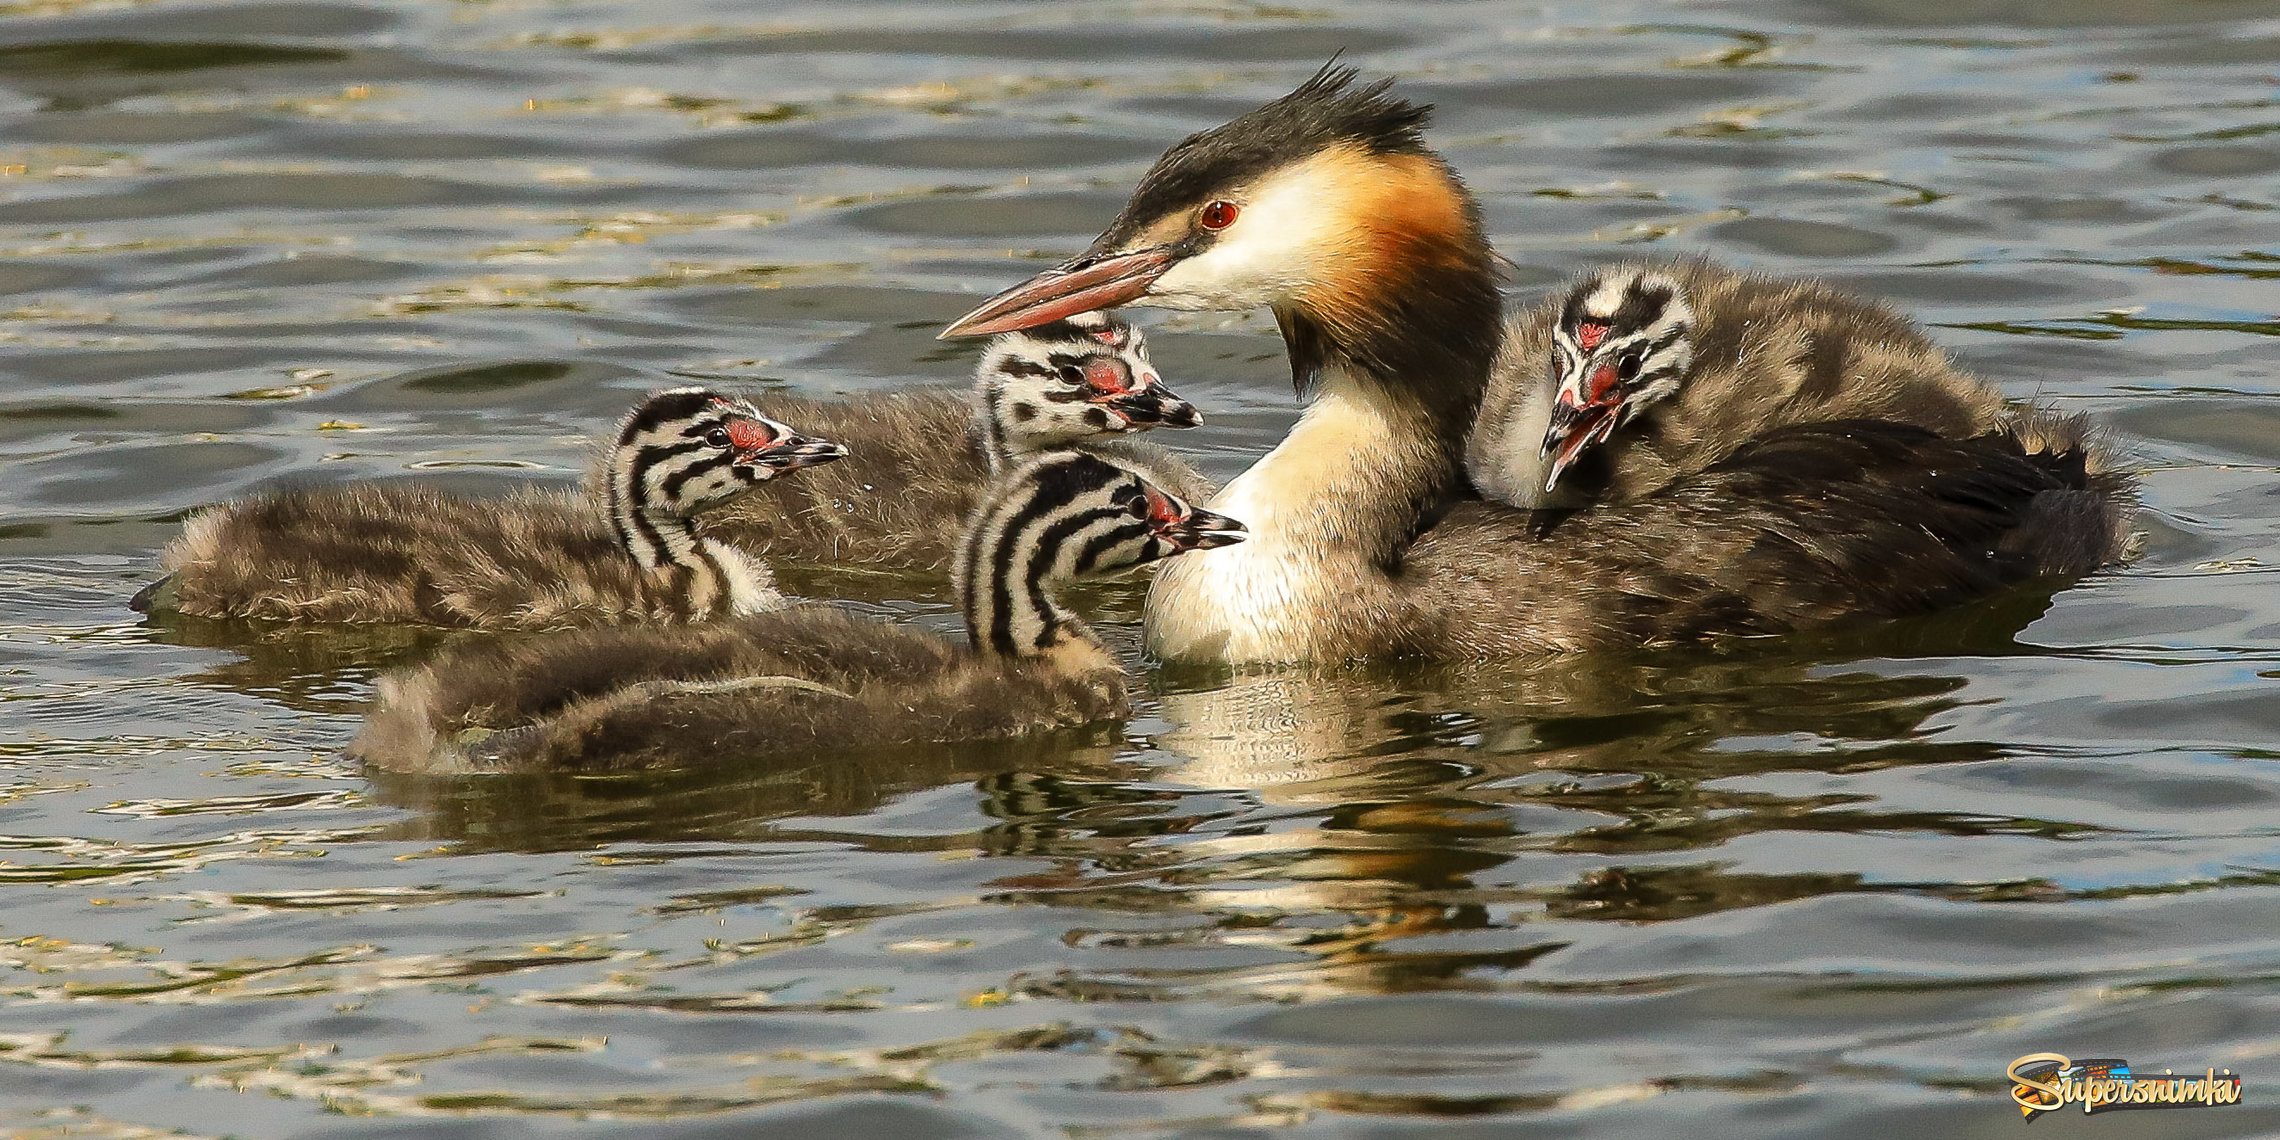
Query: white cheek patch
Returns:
{"type": "Point", "coordinates": [1281, 241]}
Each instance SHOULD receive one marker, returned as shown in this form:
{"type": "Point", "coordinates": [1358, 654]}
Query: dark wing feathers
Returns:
{"type": "Point", "coordinates": [1808, 526]}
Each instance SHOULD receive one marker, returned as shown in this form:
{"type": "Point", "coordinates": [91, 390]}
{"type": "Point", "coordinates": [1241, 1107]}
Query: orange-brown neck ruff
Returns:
{"type": "Point", "coordinates": [1405, 294]}
{"type": "Point", "coordinates": [1392, 331]}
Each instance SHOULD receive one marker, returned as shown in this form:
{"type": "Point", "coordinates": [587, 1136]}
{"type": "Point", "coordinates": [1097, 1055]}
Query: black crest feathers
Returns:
{"type": "Point", "coordinates": [1325, 111]}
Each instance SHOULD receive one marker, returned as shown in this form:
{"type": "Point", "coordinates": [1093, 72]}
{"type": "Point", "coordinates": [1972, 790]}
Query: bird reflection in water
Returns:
{"type": "Point", "coordinates": [1363, 810]}
{"type": "Point", "coordinates": [1371, 829]}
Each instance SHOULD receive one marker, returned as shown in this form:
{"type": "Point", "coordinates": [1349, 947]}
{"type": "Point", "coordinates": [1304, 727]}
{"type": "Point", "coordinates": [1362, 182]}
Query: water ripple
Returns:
{"type": "Point", "coordinates": [1841, 880]}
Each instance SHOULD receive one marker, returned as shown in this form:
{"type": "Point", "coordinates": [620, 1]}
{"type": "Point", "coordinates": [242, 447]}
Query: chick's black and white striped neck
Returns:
{"type": "Point", "coordinates": [679, 452]}
{"type": "Point", "coordinates": [1062, 517]}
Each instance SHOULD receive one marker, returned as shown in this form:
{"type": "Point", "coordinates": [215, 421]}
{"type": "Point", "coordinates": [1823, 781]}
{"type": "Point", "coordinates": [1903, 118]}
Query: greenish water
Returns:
{"type": "Point", "coordinates": [1818, 888]}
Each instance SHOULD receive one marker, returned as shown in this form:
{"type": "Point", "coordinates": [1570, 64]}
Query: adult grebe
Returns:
{"type": "Point", "coordinates": [1327, 207]}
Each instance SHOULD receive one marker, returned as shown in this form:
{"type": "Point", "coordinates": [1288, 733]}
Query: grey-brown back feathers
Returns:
{"type": "Point", "coordinates": [808, 680]}
{"type": "Point", "coordinates": [922, 461]}
{"type": "Point", "coordinates": [1760, 353]}
{"type": "Point", "coordinates": [1807, 526]}
{"type": "Point", "coordinates": [814, 679]}
{"type": "Point", "coordinates": [402, 553]}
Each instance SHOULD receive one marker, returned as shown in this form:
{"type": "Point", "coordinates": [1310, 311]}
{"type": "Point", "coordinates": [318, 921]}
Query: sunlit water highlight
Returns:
{"type": "Point", "coordinates": [1825, 887]}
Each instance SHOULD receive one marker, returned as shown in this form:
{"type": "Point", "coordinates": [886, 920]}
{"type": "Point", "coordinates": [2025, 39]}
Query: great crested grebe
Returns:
{"type": "Point", "coordinates": [389, 553]}
{"type": "Point", "coordinates": [923, 460]}
{"type": "Point", "coordinates": [1327, 207]}
{"type": "Point", "coordinates": [1638, 374]}
{"type": "Point", "coordinates": [816, 678]}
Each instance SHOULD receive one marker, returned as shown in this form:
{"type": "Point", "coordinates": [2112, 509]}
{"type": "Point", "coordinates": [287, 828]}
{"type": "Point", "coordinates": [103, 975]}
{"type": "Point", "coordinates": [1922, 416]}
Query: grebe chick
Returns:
{"type": "Point", "coordinates": [815, 678]}
{"type": "Point", "coordinates": [924, 460]}
{"type": "Point", "coordinates": [535, 560]}
{"type": "Point", "coordinates": [1636, 375]}
{"type": "Point", "coordinates": [1327, 207]}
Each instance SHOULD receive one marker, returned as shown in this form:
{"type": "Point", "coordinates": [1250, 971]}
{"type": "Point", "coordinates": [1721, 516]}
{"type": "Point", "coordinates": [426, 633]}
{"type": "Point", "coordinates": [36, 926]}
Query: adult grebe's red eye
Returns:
{"type": "Point", "coordinates": [1218, 215]}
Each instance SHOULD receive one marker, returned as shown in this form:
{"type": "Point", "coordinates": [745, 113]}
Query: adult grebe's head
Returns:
{"type": "Point", "coordinates": [1324, 205]}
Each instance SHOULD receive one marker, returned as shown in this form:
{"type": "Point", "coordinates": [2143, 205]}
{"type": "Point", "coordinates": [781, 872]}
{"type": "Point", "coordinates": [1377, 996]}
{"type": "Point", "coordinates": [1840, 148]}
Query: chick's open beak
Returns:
{"type": "Point", "coordinates": [1079, 286]}
{"type": "Point", "coordinates": [1573, 429]}
{"type": "Point", "coordinates": [791, 453]}
{"type": "Point", "coordinates": [1204, 530]}
{"type": "Point", "coordinates": [1154, 406]}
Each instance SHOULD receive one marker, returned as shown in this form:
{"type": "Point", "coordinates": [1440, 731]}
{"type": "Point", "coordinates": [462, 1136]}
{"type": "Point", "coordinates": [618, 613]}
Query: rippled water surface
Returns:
{"type": "Point", "coordinates": [1799, 889]}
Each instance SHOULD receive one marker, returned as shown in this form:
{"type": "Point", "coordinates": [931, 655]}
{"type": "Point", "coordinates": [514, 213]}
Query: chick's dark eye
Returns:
{"type": "Point", "coordinates": [1628, 366]}
{"type": "Point", "coordinates": [1217, 215]}
{"type": "Point", "coordinates": [718, 437]}
{"type": "Point", "coordinates": [1071, 374]}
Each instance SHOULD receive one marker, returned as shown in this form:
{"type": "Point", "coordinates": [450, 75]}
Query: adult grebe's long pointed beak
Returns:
{"type": "Point", "coordinates": [1079, 286]}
